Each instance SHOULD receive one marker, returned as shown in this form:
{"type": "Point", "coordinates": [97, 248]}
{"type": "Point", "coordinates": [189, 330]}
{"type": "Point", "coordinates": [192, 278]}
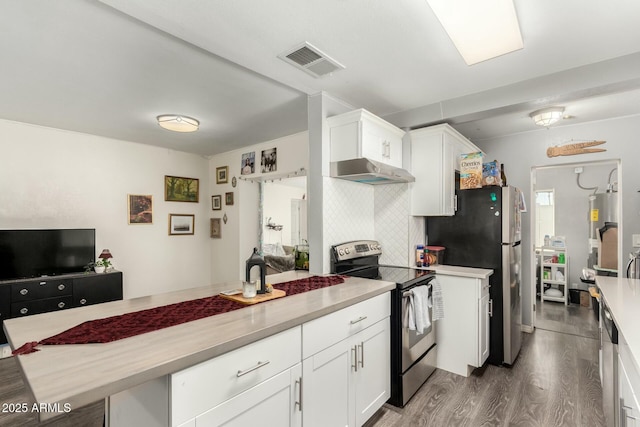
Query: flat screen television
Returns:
{"type": "Point", "coordinates": [36, 253]}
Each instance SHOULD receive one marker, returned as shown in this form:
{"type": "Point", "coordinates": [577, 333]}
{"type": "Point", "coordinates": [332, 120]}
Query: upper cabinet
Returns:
{"type": "Point", "coordinates": [435, 154]}
{"type": "Point", "coordinates": [359, 134]}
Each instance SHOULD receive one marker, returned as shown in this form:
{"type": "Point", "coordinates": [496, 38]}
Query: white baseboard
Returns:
{"type": "Point", "coordinates": [526, 328]}
{"type": "Point", "coordinates": [5, 351]}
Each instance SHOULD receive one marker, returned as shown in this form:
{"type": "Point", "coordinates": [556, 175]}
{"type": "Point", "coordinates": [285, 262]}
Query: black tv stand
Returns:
{"type": "Point", "coordinates": [24, 297]}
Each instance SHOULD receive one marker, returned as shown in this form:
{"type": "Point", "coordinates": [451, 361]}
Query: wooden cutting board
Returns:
{"type": "Point", "coordinates": [276, 293]}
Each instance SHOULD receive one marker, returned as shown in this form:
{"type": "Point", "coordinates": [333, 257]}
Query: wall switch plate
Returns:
{"type": "Point", "coordinates": [635, 238]}
{"type": "Point", "coordinates": [578, 169]}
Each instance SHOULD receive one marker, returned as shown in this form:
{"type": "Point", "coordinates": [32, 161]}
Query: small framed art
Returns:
{"type": "Point", "coordinates": [216, 229]}
{"type": "Point", "coordinates": [216, 202]}
{"type": "Point", "coordinates": [179, 189]}
{"type": "Point", "coordinates": [222, 175]}
{"type": "Point", "coordinates": [228, 198]}
{"type": "Point", "coordinates": [140, 209]}
{"type": "Point", "coordinates": [181, 224]}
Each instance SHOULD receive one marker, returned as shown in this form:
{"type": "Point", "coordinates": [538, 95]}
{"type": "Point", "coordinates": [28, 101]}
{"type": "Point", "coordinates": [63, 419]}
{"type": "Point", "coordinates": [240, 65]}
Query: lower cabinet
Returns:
{"type": "Point", "coordinates": [628, 387]}
{"type": "Point", "coordinates": [463, 335]}
{"type": "Point", "coordinates": [275, 401]}
{"type": "Point", "coordinates": [351, 377]}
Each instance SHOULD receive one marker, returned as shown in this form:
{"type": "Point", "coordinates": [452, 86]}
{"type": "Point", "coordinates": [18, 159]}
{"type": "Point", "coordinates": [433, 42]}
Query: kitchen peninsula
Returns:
{"type": "Point", "coordinates": [76, 375]}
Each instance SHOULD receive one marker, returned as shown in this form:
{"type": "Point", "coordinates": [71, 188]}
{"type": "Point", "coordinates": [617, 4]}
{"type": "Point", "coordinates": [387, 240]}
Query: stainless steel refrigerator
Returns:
{"type": "Point", "coordinates": [485, 232]}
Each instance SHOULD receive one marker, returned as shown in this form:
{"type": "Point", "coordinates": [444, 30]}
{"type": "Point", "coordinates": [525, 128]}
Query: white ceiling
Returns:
{"type": "Point", "coordinates": [108, 68]}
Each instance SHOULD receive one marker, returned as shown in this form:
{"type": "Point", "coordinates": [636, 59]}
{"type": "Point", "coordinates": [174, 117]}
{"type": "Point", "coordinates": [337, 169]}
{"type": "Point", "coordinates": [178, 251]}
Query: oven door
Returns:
{"type": "Point", "coordinates": [415, 345]}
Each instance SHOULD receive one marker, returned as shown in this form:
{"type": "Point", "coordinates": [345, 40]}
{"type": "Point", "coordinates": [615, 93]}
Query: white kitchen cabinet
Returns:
{"type": "Point", "coordinates": [359, 134]}
{"type": "Point", "coordinates": [435, 157]}
{"type": "Point", "coordinates": [463, 335]}
{"type": "Point", "coordinates": [276, 400]}
{"type": "Point", "coordinates": [554, 274]}
{"type": "Point", "coordinates": [347, 379]}
{"type": "Point", "coordinates": [628, 386]}
{"type": "Point", "coordinates": [214, 386]}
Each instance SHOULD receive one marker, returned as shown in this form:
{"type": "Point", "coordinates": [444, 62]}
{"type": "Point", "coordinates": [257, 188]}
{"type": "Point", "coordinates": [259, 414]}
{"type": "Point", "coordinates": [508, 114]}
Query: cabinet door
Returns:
{"type": "Point", "coordinates": [326, 387]}
{"type": "Point", "coordinates": [381, 145]}
{"type": "Point", "coordinates": [483, 333]}
{"type": "Point", "coordinates": [97, 288]}
{"type": "Point", "coordinates": [372, 377]}
{"type": "Point", "coordinates": [629, 408]}
{"type": "Point", "coordinates": [275, 401]}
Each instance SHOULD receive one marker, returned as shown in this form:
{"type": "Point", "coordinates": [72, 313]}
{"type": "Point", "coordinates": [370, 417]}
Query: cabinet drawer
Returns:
{"type": "Point", "coordinates": [97, 288]}
{"type": "Point", "coordinates": [37, 289]}
{"type": "Point", "coordinates": [201, 387]}
{"type": "Point", "coordinates": [321, 333]}
{"type": "Point", "coordinates": [27, 308]}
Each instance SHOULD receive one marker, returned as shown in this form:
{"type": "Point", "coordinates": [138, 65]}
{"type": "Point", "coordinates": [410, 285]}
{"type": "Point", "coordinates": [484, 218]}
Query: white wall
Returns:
{"type": "Point", "coordinates": [51, 178]}
{"type": "Point", "coordinates": [240, 234]}
{"type": "Point", "coordinates": [521, 152]}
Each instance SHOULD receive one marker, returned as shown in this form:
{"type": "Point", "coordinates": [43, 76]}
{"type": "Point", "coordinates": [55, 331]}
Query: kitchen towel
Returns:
{"type": "Point", "coordinates": [139, 322]}
{"type": "Point", "coordinates": [419, 305]}
{"type": "Point", "coordinates": [437, 303]}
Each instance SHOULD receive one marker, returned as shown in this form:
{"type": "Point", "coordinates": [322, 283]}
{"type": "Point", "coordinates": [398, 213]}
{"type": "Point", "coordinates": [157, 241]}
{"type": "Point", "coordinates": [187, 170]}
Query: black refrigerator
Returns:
{"type": "Point", "coordinates": [485, 232]}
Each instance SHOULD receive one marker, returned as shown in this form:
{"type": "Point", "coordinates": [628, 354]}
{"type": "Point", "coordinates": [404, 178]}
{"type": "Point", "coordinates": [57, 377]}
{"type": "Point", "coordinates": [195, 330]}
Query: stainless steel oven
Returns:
{"type": "Point", "coordinates": [413, 355]}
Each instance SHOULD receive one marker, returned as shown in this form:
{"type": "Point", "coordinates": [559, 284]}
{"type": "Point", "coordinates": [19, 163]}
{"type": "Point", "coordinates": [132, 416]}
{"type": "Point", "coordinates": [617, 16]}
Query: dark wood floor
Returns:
{"type": "Point", "coordinates": [13, 391]}
{"type": "Point", "coordinates": [554, 382]}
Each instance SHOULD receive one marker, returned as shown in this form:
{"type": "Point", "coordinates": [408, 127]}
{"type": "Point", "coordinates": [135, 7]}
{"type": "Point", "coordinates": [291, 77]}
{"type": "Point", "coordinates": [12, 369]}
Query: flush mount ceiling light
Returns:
{"type": "Point", "coordinates": [480, 30]}
{"type": "Point", "coordinates": [547, 116]}
{"type": "Point", "coordinates": [178, 123]}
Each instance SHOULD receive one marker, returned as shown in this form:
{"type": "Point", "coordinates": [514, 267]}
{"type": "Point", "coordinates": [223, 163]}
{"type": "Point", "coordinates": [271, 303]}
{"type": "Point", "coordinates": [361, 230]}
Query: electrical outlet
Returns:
{"type": "Point", "coordinates": [635, 238]}
{"type": "Point", "coordinates": [6, 351]}
{"type": "Point", "coordinates": [578, 169]}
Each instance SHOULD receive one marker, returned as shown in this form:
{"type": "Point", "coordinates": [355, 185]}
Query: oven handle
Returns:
{"type": "Point", "coordinates": [405, 294]}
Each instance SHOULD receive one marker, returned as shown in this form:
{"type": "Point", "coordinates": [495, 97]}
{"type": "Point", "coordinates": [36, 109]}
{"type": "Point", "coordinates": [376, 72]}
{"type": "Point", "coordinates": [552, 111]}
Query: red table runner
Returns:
{"type": "Point", "coordinates": [139, 322]}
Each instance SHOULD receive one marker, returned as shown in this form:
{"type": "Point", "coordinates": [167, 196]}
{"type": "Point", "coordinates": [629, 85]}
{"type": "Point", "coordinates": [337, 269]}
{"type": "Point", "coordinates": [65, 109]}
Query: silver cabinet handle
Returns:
{"type": "Point", "coordinates": [24, 310]}
{"type": "Point", "coordinates": [24, 291]}
{"type": "Point", "coordinates": [490, 308]}
{"type": "Point", "coordinates": [61, 287]}
{"type": "Point", "coordinates": [354, 351]}
{"type": "Point", "coordinates": [43, 283]}
{"type": "Point", "coordinates": [258, 366]}
{"type": "Point", "coordinates": [361, 354]}
{"type": "Point", "coordinates": [360, 319]}
{"type": "Point", "coordinates": [60, 305]}
{"type": "Point", "coordinates": [83, 301]}
{"type": "Point", "coordinates": [299, 402]}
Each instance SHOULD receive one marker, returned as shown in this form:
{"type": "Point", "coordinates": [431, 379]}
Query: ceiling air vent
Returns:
{"type": "Point", "coordinates": [311, 60]}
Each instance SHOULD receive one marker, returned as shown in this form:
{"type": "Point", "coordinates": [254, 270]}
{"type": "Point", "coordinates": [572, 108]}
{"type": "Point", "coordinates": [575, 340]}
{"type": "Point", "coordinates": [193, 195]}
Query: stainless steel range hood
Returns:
{"type": "Point", "coordinates": [368, 171]}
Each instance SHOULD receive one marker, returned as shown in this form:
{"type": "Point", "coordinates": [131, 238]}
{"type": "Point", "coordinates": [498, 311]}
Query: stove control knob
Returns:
{"type": "Point", "coordinates": [341, 252]}
{"type": "Point", "coordinates": [347, 250]}
{"type": "Point", "coordinates": [378, 247]}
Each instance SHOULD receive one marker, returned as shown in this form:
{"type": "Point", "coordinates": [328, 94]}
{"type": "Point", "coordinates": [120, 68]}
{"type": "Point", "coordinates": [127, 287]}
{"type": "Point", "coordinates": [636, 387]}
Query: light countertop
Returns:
{"type": "Point", "coordinates": [84, 373]}
{"type": "Point", "coordinates": [454, 270]}
{"type": "Point", "coordinates": [623, 298]}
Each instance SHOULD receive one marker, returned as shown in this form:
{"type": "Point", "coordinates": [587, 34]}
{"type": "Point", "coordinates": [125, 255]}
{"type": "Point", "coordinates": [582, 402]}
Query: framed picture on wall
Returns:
{"type": "Point", "coordinates": [216, 202]}
{"type": "Point", "coordinates": [228, 198]}
{"type": "Point", "coordinates": [269, 160]}
{"type": "Point", "coordinates": [222, 175]}
{"type": "Point", "coordinates": [248, 163]}
{"type": "Point", "coordinates": [181, 224]}
{"type": "Point", "coordinates": [179, 189]}
{"type": "Point", "coordinates": [140, 209]}
{"type": "Point", "coordinates": [216, 228]}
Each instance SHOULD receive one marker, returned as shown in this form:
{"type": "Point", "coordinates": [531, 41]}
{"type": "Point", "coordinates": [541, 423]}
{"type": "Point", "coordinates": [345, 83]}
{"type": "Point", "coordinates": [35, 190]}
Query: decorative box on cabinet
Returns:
{"type": "Point", "coordinates": [435, 154]}
{"type": "Point", "coordinates": [347, 366]}
{"type": "Point", "coordinates": [359, 134]}
{"type": "Point", "coordinates": [554, 273]}
{"type": "Point", "coordinates": [463, 335]}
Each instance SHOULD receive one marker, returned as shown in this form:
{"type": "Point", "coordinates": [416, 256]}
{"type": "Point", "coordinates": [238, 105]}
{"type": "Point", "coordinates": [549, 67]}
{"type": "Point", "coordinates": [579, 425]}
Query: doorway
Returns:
{"type": "Point", "coordinates": [561, 197]}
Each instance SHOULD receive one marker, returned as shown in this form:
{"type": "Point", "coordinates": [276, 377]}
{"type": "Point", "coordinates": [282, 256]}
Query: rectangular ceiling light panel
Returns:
{"type": "Point", "coordinates": [480, 30]}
